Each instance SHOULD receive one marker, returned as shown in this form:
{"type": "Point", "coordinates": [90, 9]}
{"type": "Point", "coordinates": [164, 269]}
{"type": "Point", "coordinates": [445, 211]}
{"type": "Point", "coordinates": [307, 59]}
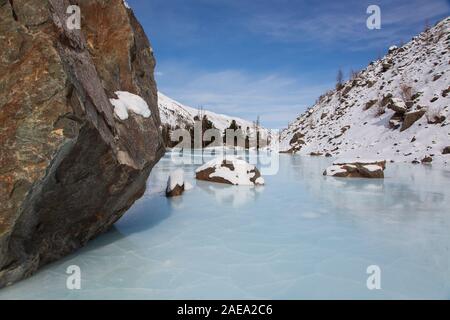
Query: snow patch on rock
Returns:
{"type": "Point", "coordinates": [231, 170]}
{"type": "Point", "coordinates": [129, 102]}
{"type": "Point", "coordinates": [371, 170]}
{"type": "Point", "coordinates": [176, 184]}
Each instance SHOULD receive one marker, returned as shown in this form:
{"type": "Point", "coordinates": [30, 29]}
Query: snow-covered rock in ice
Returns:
{"type": "Point", "coordinates": [129, 102]}
{"type": "Point", "coordinates": [176, 185]}
{"type": "Point", "coordinates": [358, 169]}
{"type": "Point", "coordinates": [230, 170]}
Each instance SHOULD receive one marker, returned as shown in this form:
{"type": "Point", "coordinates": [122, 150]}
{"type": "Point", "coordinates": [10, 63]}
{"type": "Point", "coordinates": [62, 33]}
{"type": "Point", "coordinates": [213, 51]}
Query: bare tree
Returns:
{"type": "Point", "coordinates": [427, 25]}
{"type": "Point", "coordinates": [353, 74]}
{"type": "Point", "coordinates": [406, 91]}
{"type": "Point", "coordinates": [339, 79]}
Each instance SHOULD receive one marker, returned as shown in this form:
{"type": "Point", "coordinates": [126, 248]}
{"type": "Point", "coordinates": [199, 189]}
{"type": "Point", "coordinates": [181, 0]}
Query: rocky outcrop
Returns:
{"type": "Point", "coordinates": [69, 167]}
{"type": "Point", "coordinates": [397, 105]}
{"type": "Point", "coordinates": [446, 150]}
{"type": "Point", "coordinates": [427, 159]}
{"type": "Point", "coordinates": [410, 118]}
{"type": "Point", "coordinates": [230, 170]}
{"type": "Point", "coordinates": [371, 170]}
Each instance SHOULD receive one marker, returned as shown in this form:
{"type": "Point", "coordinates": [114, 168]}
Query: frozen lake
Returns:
{"type": "Point", "coordinates": [301, 236]}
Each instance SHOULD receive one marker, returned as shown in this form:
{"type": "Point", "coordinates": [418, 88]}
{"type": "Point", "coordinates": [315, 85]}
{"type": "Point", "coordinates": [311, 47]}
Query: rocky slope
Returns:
{"type": "Point", "coordinates": [69, 167]}
{"type": "Point", "coordinates": [396, 109]}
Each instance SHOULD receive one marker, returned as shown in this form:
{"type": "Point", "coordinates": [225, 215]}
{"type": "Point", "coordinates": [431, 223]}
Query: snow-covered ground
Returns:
{"type": "Point", "coordinates": [357, 122]}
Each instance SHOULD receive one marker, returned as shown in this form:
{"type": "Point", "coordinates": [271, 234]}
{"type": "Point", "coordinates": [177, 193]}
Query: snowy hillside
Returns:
{"type": "Point", "coordinates": [396, 109]}
{"type": "Point", "coordinates": [175, 114]}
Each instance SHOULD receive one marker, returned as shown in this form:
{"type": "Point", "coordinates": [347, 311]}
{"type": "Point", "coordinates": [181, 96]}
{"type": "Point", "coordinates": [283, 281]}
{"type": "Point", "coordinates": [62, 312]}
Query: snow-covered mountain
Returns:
{"type": "Point", "coordinates": [396, 109]}
{"type": "Point", "coordinates": [175, 114]}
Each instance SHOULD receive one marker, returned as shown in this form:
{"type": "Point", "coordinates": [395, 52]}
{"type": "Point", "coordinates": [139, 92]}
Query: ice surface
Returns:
{"type": "Point", "coordinates": [302, 235]}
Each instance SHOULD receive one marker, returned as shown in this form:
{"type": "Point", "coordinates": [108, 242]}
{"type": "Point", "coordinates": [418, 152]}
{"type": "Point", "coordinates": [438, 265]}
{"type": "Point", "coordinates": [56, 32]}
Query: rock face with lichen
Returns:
{"type": "Point", "coordinates": [69, 168]}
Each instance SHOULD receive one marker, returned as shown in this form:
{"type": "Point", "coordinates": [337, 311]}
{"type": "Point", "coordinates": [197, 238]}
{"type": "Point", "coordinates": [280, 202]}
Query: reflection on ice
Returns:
{"type": "Point", "coordinates": [235, 195]}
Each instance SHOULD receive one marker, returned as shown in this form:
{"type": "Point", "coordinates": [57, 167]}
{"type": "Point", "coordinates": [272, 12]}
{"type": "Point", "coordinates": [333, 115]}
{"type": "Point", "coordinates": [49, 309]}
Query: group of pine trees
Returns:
{"type": "Point", "coordinates": [232, 136]}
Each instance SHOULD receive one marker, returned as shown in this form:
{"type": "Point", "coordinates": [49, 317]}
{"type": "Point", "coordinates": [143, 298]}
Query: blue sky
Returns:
{"type": "Point", "coordinates": [271, 58]}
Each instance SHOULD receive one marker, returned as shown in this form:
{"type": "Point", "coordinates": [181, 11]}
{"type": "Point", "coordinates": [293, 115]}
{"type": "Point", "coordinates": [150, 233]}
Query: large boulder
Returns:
{"type": "Point", "coordinates": [70, 167]}
{"type": "Point", "coordinates": [297, 139]}
{"type": "Point", "coordinates": [230, 170]}
{"type": "Point", "coordinates": [397, 105]}
{"type": "Point", "coordinates": [411, 117]}
{"type": "Point", "coordinates": [368, 169]}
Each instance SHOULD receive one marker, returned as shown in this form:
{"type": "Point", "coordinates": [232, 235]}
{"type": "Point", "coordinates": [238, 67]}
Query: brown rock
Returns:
{"type": "Point", "coordinates": [386, 99]}
{"type": "Point", "coordinates": [290, 151]}
{"type": "Point", "coordinates": [297, 138]}
{"type": "Point", "coordinates": [396, 121]}
{"type": "Point", "coordinates": [370, 104]}
{"type": "Point", "coordinates": [409, 104]}
{"type": "Point", "coordinates": [397, 105]}
{"type": "Point", "coordinates": [445, 92]}
{"type": "Point", "coordinates": [410, 118]}
{"type": "Point", "coordinates": [436, 119]}
{"type": "Point", "coordinates": [427, 159]}
{"type": "Point", "coordinates": [446, 150]}
{"type": "Point", "coordinates": [373, 170]}
{"type": "Point", "coordinates": [176, 184]}
{"type": "Point", "coordinates": [372, 174]}
{"type": "Point", "coordinates": [175, 192]}
{"type": "Point", "coordinates": [69, 168]}
{"type": "Point", "coordinates": [386, 66]}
